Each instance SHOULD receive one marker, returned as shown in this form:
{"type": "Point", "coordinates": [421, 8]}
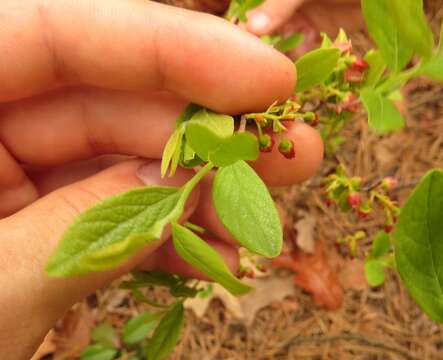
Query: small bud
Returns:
{"type": "Point", "coordinates": [345, 47]}
{"type": "Point", "coordinates": [266, 143]}
{"type": "Point", "coordinates": [388, 228]}
{"type": "Point", "coordinates": [389, 183]}
{"type": "Point", "coordinates": [354, 75]}
{"type": "Point", "coordinates": [356, 182]}
{"type": "Point", "coordinates": [261, 121]}
{"type": "Point", "coordinates": [363, 211]}
{"type": "Point", "coordinates": [354, 200]}
{"type": "Point", "coordinates": [350, 103]}
{"type": "Point", "coordinates": [286, 148]}
{"type": "Point", "coordinates": [360, 64]}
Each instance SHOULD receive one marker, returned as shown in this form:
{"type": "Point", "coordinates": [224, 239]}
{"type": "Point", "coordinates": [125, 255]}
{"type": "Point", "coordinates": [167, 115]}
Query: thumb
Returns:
{"type": "Point", "coordinates": [270, 16]}
{"type": "Point", "coordinates": [29, 237]}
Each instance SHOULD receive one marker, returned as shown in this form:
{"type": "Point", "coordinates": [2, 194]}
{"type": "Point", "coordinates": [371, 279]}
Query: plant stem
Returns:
{"type": "Point", "coordinates": [395, 81]}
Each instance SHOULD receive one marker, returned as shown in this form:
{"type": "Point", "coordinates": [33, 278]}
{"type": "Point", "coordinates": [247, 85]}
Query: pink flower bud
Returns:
{"type": "Point", "coordinates": [354, 200]}
{"type": "Point", "coordinates": [360, 64]}
{"type": "Point", "coordinates": [389, 183]}
{"type": "Point", "coordinates": [354, 75]}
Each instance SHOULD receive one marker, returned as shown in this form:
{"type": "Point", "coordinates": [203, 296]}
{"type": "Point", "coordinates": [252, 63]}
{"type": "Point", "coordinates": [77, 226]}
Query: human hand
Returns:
{"type": "Point", "coordinates": [80, 79]}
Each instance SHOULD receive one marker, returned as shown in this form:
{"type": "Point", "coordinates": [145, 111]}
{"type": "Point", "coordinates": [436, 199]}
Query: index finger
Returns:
{"type": "Point", "coordinates": [138, 45]}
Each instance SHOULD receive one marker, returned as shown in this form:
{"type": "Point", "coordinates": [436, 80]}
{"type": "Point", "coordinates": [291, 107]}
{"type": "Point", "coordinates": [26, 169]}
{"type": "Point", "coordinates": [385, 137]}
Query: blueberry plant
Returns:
{"type": "Point", "coordinates": [333, 84]}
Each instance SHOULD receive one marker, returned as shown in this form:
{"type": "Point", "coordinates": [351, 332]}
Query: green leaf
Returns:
{"type": "Point", "coordinates": [172, 151]}
{"type": "Point", "coordinates": [381, 245]}
{"type": "Point", "coordinates": [105, 335]}
{"type": "Point", "coordinates": [290, 43]}
{"type": "Point", "coordinates": [376, 67]}
{"type": "Point", "coordinates": [158, 278]}
{"type": "Point", "coordinates": [98, 352]}
{"type": "Point", "coordinates": [434, 69]}
{"type": "Point", "coordinates": [315, 67]}
{"type": "Point", "coordinates": [246, 209]}
{"type": "Point", "coordinates": [375, 272]}
{"type": "Point", "coordinates": [410, 19]}
{"type": "Point", "coordinates": [108, 233]}
{"type": "Point", "coordinates": [206, 131]}
{"type": "Point", "coordinates": [383, 116]}
{"type": "Point", "coordinates": [139, 327]}
{"type": "Point", "coordinates": [166, 334]}
{"type": "Point", "coordinates": [240, 146]}
{"type": "Point", "coordinates": [204, 258]}
{"type": "Point", "coordinates": [239, 8]}
{"type": "Point", "coordinates": [419, 246]}
{"type": "Point", "coordinates": [395, 50]}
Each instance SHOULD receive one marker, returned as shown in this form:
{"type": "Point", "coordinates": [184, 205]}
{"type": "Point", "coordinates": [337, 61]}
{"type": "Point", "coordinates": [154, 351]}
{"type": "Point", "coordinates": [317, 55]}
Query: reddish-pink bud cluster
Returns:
{"type": "Point", "coordinates": [354, 200]}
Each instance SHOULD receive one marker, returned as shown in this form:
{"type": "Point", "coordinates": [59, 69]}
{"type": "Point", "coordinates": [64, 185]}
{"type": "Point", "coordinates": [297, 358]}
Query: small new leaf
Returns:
{"type": "Point", "coordinates": [139, 327]}
{"type": "Point", "coordinates": [315, 67]}
{"type": "Point", "coordinates": [419, 246]}
{"type": "Point", "coordinates": [376, 68]}
{"type": "Point", "coordinates": [246, 209]}
{"type": "Point", "coordinates": [110, 232]}
{"type": "Point", "coordinates": [240, 146]}
{"type": "Point", "coordinates": [105, 335]}
{"type": "Point", "coordinates": [206, 131]}
{"type": "Point", "coordinates": [98, 352]}
{"type": "Point", "coordinates": [204, 258]}
{"type": "Point", "coordinates": [381, 245]}
{"type": "Point", "coordinates": [166, 334]}
{"type": "Point", "coordinates": [383, 116]}
{"type": "Point", "coordinates": [375, 272]}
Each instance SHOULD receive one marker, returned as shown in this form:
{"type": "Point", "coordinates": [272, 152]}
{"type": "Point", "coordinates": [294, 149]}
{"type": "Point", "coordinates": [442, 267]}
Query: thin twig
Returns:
{"type": "Point", "coordinates": [296, 340]}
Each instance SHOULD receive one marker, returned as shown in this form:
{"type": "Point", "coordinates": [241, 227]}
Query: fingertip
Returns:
{"type": "Point", "coordinates": [259, 23]}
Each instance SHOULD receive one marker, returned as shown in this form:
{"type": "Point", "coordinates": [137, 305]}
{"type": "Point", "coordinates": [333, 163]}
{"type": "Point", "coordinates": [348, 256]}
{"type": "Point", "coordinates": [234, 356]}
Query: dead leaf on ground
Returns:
{"type": "Point", "coordinates": [305, 233]}
{"type": "Point", "coordinates": [267, 291]}
{"type": "Point", "coordinates": [314, 275]}
{"type": "Point", "coordinates": [70, 336]}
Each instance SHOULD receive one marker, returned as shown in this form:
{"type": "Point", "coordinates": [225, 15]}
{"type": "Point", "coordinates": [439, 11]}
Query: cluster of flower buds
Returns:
{"type": "Point", "coordinates": [348, 245]}
{"type": "Point", "coordinates": [349, 195]}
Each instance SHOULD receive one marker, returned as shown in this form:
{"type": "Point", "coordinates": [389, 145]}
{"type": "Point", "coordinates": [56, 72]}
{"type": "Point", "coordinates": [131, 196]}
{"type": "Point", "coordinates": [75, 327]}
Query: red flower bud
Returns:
{"type": "Point", "coordinates": [354, 75]}
{"type": "Point", "coordinates": [354, 200]}
{"type": "Point", "coordinates": [389, 183]}
{"type": "Point", "coordinates": [286, 148]}
{"type": "Point", "coordinates": [266, 143]}
{"type": "Point", "coordinates": [360, 64]}
{"type": "Point", "coordinates": [351, 103]}
{"type": "Point", "coordinates": [388, 228]}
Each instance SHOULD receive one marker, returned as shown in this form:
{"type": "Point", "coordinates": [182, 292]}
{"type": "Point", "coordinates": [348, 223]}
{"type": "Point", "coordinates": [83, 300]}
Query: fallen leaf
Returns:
{"type": "Point", "coordinates": [305, 233]}
{"type": "Point", "coordinates": [73, 332]}
{"type": "Point", "coordinates": [314, 275]}
{"type": "Point", "coordinates": [267, 291]}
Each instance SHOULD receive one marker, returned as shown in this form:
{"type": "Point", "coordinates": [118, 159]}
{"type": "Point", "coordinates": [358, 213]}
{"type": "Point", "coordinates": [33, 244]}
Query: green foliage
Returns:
{"type": "Point", "coordinates": [315, 67]}
{"type": "Point", "coordinates": [166, 335]}
{"type": "Point", "coordinates": [105, 335]}
{"type": "Point", "coordinates": [200, 255]}
{"type": "Point", "coordinates": [207, 131]}
{"type": "Point", "coordinates": [246, 209]}
{"type": "Point", "coordinates": [381, 245]}
{"type": "Point", "coordinates": [419, 246]}
{"type": "Point", "coordinates": [241, 146]}
{"type": "Point", "coordinates": [138, 328]}
{"type": "Point", "coordinates": [375, 272]}
{"type": "Point", "coordinates": [376, 68]}
{"type": "Point", "coordinates": [284, 44]}
{"type": "Point", "coordinates": [410, 20]}
{"type": "Point", "coordinates": [239, 8]}
{"type": "Point", "coordinates": [382, 26]}
{"type": "Point", "coordinates": [98, 352]}
{"type": "Point", "coordinates": [383, 116]}
{"type": "Point", "coordinates": [108, 233]}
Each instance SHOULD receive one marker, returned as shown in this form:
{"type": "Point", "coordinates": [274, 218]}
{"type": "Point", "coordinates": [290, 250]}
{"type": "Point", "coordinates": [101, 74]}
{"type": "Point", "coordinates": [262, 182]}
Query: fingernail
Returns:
{"type": "Point", "coordinates": [149, 174]}
{"type": "Point", "coordinates": [258, 22]}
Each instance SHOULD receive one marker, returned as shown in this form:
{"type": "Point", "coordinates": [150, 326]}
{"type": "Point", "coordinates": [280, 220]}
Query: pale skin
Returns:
{"type": "Point", "coordinates": [85, 78]}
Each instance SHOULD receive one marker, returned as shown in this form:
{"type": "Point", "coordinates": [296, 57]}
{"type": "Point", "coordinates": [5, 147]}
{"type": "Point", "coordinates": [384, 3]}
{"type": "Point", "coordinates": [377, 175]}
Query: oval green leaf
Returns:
{"type": "Point", "coordinates": [110, 232]}
{"type": "Point", "coordinates": [315, 67]}
{"type": "Point", "coordinates": [166, 334]}
{"type": "Point", "coordinates": [375, 272]}
{"type": "Point", "coordinates": [240, 146]}
{"type": "Point", "coordinates": [246, 209]}
{"type": "Point", "coordinates": [104, 334]}
{"type": "Point", "coordinates": [419, 247]}
{"type": "Point", "coordinates": [197, 252]}
{"type": "Point", "coordinates": [98, 352]}
{"type": "Point", "coordinates": [206, 131]}
{"type": "Point", "coordinates": [383, 116]}
{"type": "Point", "coordinates": [139, 327]}
{"type": "Point", "coordinates": [395, 50]}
